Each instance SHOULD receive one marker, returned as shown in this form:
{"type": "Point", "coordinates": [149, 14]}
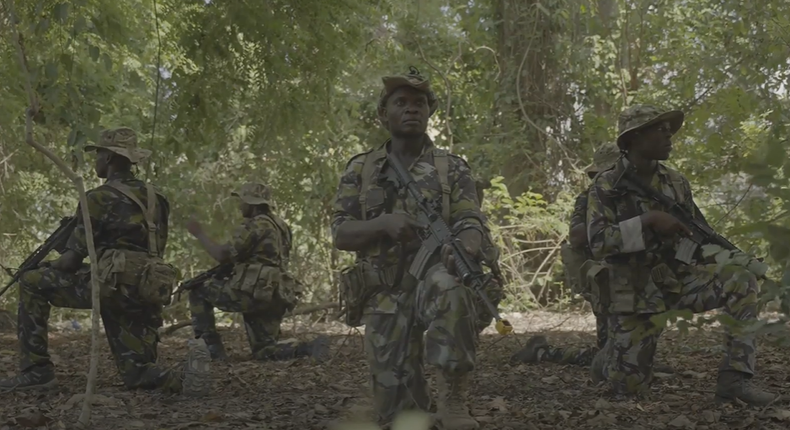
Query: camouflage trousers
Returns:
{"type": "Point", "coordinates": [578, 356]}
{"type": "Point", "coordinates": [261, 319]}
{"type": "Point", "coordinates": [130, 325]}
{"type": "Point", "coordinates": [435, 321]}
{"type": "Point", "coordinates": [629, 352]}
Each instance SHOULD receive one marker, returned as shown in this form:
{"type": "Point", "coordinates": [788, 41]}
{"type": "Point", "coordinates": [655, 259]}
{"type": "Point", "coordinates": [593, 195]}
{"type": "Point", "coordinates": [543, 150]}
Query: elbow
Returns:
{"type": "Point", "coordinates": [344, 242]}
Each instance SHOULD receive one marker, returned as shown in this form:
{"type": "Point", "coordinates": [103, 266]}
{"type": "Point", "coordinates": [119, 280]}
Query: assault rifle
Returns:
{"type": "Point", "coordinates": [435, 235]}
{"type": "Point", "coordinates": [57, 241]}
{"type": "Point", "coordinates": [701, 232]}
{"type": "Point", "coordinates": [217, 271]}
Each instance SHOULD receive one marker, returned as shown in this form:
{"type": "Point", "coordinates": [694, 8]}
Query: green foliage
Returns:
{"type": "Point", "coordinates": [286, 94]}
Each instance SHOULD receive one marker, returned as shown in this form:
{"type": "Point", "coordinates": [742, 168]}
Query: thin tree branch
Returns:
{"type": "Point", "coordinates": [85, 414]}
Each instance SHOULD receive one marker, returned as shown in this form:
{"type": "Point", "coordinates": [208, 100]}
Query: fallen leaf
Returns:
{"type": "Point", "coordinates": [711, 416]}
{"type": "Point", "coordinates": [550, 379]}
{"type": "Point", "coordinates": [136, 423]}
{"type": "Point", "coordinates": [681, 422]}
{"type": "Point", "coordinates": [35, 419]}
{"type": "Point", "coordinates": [212, 416]}
{"type": "Point", "coordinates": [779, 415]}
{"type": "Point", "coordinates": [601, 404]}
{"type": "Point", "coordinates": [498, 404]}
{"type": "Point", "coordinates": [321, 409]}
{"type": "Point", "coordinates": [693, 374]}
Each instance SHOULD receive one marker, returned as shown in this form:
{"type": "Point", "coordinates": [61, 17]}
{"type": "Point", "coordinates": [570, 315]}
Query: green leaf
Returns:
{"type": "Point", "coordinates": [107, 62]}
{"type": "Point", "coordinates": [51, 71]}
{"type": "Point", "coordinates": [61, 12]}
{"type": "Point", "coordinates": [94, 52]}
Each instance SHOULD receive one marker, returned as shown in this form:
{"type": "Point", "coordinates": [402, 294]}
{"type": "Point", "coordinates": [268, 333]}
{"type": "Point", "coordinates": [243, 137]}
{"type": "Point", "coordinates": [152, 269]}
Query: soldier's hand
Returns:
{"type": "Point", "coordinates": [400, 227]}
{"type": "Point", "coordinates": [665, 224]}
{"type": "Point", "coordinates": [470, 240]}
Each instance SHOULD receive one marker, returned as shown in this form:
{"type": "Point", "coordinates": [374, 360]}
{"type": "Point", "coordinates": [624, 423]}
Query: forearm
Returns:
{"type": "Point", "coordinates": [221, 253]}
{"type": "Point", "coordinates": [354, 235]}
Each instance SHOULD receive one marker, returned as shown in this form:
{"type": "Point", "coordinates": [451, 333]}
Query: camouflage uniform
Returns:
{"type": "Point", "coordinates": [260, 287]}
{"type": "Point", "coordinates": [435, 313]}
{"type": "Point", "coordinates": [537, 348]}
{"type": "Point", "coordinates": [642, 277]}
{"type": "Point", "coordinates": [130, 319]}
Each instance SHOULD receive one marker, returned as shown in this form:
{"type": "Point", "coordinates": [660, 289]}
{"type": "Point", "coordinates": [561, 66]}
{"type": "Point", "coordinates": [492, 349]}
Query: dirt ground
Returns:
{"type": "Point", "coordinates": [301, 395]}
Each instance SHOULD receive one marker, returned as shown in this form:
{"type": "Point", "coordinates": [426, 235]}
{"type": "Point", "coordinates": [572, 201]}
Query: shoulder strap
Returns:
{"type": "Point", "coordinates": [443, 170]}
{"type": "Point", "coordinates": [677, 185]}
{"type": "Point", "coordinates": [148, 213]}
{"type": "Point", "coordinates": [284, 232]}
{"type": "Point", "coordinates": [368, 174]}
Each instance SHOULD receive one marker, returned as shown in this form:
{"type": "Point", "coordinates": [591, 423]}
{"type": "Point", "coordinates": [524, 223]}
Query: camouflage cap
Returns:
{"type": "Point", "coordinates": [122, 141]}
{"type": "Point", "coordinates": [603, 158]}
{"type": "Point", "coordinates": [254, 193]}
{"type": "Point", "coordinates": [412, 79]}
{"type": "Point", "coordinates": [641, 116]}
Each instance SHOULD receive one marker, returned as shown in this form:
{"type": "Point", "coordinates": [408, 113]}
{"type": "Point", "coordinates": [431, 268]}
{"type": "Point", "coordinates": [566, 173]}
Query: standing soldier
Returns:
{"type": "Point", "coordinates": [371, 216]}
{"type": "Point", "coordinates": [645, 271]}
{"type": "Point", "coordinates": [261, 288]}
{"type": "Point", "coordinates": [129, 221]}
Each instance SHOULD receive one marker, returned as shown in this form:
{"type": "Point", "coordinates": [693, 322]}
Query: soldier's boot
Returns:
{"type": "Point", "coordinates": [451, 409]}
{"type": "Point", "coordinates": [596, 367]}
{"type": "Point", "coordinates": [196, 372]}
{"type": "Point", "coordinates": [318, 349]}
{"type": "Point", "coordinates": [215, 346]}
{"type": "Point", "coordinates": [37, 378]}
{"type": "Point", "coordinates": [531, 353]}
{"type": "Point", "coordinates": [733, 385]}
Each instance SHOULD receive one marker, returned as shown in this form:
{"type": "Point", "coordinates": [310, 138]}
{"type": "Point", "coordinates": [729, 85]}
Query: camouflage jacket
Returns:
{"type": "Point", "coordinates": [464, 210]}
{"type": "Point", "coordinates": [616, 236]}
{"type": "Point", "coordinates": [264, 239]}
{"type": "Point", "coordinates": [117, 222]}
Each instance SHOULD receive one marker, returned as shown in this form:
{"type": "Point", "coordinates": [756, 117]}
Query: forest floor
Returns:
{"type": "Point", "coordinates": [302, 395]}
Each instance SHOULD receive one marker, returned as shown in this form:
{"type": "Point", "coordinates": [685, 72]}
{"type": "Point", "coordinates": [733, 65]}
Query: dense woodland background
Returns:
{"type": "Point", "coordinates": [285, 92]}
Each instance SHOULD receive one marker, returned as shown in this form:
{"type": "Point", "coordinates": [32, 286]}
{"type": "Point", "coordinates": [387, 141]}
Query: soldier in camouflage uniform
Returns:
{"type": "Point", "coordinates": [135, 283]}
{"type": "Point", "coordinates": [260, 287]}
{"type": "Point", "coordinates": [639, 275]}
{"type": "Point", "coordinates": [372, 216]}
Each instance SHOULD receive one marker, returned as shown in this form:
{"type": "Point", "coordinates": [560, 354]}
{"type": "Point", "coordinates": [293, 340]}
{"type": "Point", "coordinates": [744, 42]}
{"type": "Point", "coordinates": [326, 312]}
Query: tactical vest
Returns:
{"type": "Point", "coordinates": [147, 273]}
{"type": "Point", "coordinates": [267, 283]}
{"type": "Point", "coordinates": [608, 288]}
{"type": "Point", "coordinates": [370, 172]}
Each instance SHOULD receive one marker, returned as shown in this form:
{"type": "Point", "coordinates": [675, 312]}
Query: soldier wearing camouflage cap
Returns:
{"type": "Point", "coordinates": [574, 253]}
{"type": "Point", "coordinates": [635, 242]}
{"type": "Point", "coordinates": [130, 230]}
{"type": "Point", "coordinates": [259, 284]}
{"type": "Point", "coordinates": [370, 219]}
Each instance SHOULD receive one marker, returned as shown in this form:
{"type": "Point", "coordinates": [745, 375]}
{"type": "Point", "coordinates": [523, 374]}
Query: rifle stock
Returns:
{"type": "Point", "coordinates": [56, 241]}
{"type": "Point", "coordinates": [438, 233]}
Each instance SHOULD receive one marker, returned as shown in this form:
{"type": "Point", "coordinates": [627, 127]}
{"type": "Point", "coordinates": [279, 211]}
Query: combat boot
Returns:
{"type": "Point", "coordinates": [451, 409]}
{"type": "Point", "coordinates": [215, 346]}
{"type": "Point", "coordinates": [37, 378]}
{"type": "Point", "coordinates": [196, 373]}
{"type": "Point", "coordinates": [532, 351]}
{"type": "Point", "coordinates": [733, 385]}
{"type": "Point", "coordinates": [318, 349]}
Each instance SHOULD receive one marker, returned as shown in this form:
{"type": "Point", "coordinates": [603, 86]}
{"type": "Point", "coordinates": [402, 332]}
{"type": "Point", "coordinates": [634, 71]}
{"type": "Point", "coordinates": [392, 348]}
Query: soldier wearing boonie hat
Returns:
{"type": "Point", "coordinates": [630, 234]}
{"type": "Point", "coordinates": [260, 285]}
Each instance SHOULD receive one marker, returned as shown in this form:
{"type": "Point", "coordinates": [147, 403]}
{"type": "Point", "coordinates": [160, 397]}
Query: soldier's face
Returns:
{"type": "Point", "coordinates": [246, 209]}
{"type": "Point", "coordinates": [407, 112]}
{"type": "Point", "coordinates": [655, 142]}
{"type": "Point", "coordinates": [102, 162]}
